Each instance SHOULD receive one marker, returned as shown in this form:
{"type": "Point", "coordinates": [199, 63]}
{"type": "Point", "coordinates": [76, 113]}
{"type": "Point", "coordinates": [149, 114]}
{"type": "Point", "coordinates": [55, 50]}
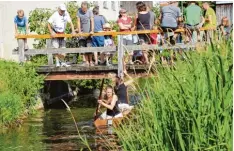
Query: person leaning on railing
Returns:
{"type": "Point", "coordinates": [170, 15]}
{"type": "Point", "coordinates": [125, 24]}
{"type": "Point", "coordinates": [85, 24]}
{"type": "Point", "coordinates": [97, 41]}
{"type": "Point", "coordinates": [142, 22]}
{"type": "Point", "coordinates": [21, 26]}
{"type": "Point", "coordinates": [193, 21]}
{"type": "Point", "coordinates": [210, 20]}
{"type": "Point", "coordinates": [57, 25]}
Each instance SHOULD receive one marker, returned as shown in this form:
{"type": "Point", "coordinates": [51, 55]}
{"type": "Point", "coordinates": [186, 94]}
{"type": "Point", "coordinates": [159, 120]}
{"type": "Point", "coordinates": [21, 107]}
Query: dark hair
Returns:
{"type": "Point", "coordinates": [95, 11]}
{"type": "Point", "coordinates": [120, 16]}
{"type": "Point", "coordinates": [141, 6]}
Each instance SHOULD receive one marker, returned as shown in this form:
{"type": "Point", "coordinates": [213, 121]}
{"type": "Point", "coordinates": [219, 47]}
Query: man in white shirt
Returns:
{"type": "Point", "coordinates": [57, 25]}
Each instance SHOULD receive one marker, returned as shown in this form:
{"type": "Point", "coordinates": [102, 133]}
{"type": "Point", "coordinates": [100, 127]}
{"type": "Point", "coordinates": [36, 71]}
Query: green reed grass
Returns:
{"type": "Point", "coordinates": [185, 107]}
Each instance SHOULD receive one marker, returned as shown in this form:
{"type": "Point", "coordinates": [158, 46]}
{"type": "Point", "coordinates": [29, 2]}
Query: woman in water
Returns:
{"type": "Point", "coordinates": [110, 101]}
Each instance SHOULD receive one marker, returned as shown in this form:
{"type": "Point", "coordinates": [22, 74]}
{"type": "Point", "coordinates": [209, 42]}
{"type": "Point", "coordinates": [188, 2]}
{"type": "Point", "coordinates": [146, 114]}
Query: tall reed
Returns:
{"type": "Point", "coordinates": [185, 107]}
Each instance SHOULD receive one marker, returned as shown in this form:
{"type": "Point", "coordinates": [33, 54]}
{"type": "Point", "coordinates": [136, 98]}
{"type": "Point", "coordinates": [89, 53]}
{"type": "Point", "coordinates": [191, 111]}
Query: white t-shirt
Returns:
{"type": "Point", "coordinates": [59, 22]}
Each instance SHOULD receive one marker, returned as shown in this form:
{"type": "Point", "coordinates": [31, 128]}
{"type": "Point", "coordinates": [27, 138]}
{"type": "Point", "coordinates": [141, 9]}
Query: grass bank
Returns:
{"type": "Point", "coordinates": [185, 107]}
{"type": "Point", "coordinates": [19, 86]}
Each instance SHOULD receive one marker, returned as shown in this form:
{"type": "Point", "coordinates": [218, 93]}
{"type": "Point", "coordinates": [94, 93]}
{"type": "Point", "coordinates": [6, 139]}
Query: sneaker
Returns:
{"type": "Point", "coordinates": [63, 64]}
{"type": "Point", "coordinates": [130, 62]}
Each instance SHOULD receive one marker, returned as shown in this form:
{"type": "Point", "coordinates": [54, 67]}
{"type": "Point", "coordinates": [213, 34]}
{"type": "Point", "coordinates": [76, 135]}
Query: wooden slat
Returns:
{"type": "Point", "coordinates": [46, 36]}
{"type": "Point", "coordinates": [21, 50]}
{"type": "Point", "coordinates": [70, 50]}
{"type": "Point", "coordinates": [120, 55]}
{"type": "Point", "coordinates": [49, 56]}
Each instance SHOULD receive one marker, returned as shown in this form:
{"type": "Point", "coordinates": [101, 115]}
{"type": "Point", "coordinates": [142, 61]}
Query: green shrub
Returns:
{"type": "Point", "coordinates": [19, 86]}
{"type": "Point", "coordinates": [11, 107]}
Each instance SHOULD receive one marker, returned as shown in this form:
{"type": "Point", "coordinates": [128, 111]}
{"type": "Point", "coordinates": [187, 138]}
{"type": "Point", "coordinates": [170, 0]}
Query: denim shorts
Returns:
{"type": "Point", "coordinates": [98, 41]}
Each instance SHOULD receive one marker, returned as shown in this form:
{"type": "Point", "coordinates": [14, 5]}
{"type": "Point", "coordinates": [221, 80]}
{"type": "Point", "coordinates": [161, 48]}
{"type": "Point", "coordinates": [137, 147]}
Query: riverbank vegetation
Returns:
{"type": "Point", "coordinates": [19, 87]}
{"type": "Point", "coordinates": [187, 106]}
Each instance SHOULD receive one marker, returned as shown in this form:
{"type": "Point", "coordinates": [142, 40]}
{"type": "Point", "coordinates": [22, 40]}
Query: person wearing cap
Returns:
{"type": "Point", "coordinates": [85, 24]}
{"type": "Point", "coordinates": [125, 25]}
{"type": "Point", "coordinates": [57, 25]}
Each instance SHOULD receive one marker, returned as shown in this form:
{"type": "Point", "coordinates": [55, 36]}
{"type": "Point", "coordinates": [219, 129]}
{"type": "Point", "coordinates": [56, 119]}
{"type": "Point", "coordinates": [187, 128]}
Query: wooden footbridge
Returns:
{"type": "Point", "coordinates": [78, 71]}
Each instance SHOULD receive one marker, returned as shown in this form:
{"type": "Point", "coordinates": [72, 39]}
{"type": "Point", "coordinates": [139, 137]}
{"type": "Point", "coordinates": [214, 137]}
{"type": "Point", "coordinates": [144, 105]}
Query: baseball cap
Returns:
{"type": "Point", "coordinates": [62, 7]}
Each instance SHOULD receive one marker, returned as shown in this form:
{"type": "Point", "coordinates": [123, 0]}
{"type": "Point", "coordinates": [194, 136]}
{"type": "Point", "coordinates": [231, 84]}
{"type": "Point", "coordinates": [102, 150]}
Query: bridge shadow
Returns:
{"type": "Point", "coordinates": [53, 92]}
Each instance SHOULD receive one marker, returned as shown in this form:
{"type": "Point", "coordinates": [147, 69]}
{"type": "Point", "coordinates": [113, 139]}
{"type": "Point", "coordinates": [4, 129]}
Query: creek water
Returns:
{"type": "Point", "coordinates": [54, 130]}
{"type": "Point", "coordinates": [51, 129]}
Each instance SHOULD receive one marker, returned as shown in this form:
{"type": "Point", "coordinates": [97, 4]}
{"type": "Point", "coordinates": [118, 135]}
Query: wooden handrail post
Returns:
{"type": "Point", "coordinates": [21, 50]}
{"type": "Point", "coordinates": [120, 55]}
{"type": "Point", "coordinates": [49, 56]}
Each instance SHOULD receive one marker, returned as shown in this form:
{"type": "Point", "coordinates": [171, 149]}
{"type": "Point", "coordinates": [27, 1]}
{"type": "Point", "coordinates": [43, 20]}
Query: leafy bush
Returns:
{"type": "Point", "coordinates": [187, 107]}
{"type": "Point", "coordinates": [19, 86]}
{"type": "Point", "coordinates": [10, 107]}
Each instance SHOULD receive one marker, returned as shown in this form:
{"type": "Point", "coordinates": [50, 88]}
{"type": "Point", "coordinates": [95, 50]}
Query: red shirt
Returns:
{"type": "Point", "coordinates": [125, 22]}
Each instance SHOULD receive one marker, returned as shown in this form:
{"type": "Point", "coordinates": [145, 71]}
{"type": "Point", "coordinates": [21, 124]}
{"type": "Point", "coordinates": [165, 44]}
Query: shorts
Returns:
{"type": "Point", "coordinates": [168, 29]}
{"type": "Point", "coordinates": [58, 43]}
{"type": "Point", "coordinates": [127, 42]}
{"type": "Point", "coordinates": [108, 42]}
{"type": "Point", "coordinates": [85, 42]}
{"type": "Point", "coordinates": [97, 41]}
{"type": "Point", "coordinates": [144, 38]}
{"type": "Point", "coordinates": [21, 30]}
{"type": "Point", "coordinates": [195, 27]}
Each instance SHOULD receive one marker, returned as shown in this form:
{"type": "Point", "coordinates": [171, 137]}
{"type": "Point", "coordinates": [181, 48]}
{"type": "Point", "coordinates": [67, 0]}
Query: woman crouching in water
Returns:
{"type": "Point", "coordinates": [111, 103]}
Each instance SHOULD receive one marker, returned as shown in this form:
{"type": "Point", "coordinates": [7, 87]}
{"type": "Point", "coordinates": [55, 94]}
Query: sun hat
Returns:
{"type": "Point", "coordinates": [106, 25]}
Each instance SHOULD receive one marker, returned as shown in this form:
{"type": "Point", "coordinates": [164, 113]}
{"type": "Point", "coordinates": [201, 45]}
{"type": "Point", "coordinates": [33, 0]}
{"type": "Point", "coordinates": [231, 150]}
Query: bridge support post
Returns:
{"type": "Point", "coordinates": [21, 50]}
{"type": "Point", "coordinates": [120, 55]}
{"type": "Point", "coordinates": [50, 56]}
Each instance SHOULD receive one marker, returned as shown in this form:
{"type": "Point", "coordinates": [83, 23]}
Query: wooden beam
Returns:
{"type": "Point", "coordinates": [78, 76]}
{"type": "Point", "coordinates": [70, 50]}
{"type": "Point", "coordinates": [21, 50]}
{"type": "Point", "coordinates": [49, 56]}
{"type": "Point", "coordinates": [120, 55]}
{"type": "Point", "coordinates": [107, 49]}
{"type": "Point", "coordinates": [113, 33]}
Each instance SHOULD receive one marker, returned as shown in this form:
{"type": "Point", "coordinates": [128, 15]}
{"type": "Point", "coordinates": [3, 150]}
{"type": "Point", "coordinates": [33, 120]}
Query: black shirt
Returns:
{"type": "Point", "coordinates": [121, 92]}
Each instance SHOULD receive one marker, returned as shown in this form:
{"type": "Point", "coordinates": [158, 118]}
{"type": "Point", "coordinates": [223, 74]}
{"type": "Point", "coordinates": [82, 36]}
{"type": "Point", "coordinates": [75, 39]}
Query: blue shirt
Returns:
{"type": "Point", "coordinates": [98, 23]}
{"type": "Point", "coordinates": [20, 22]}
{"type": "Point", "coordinates": [170, 14]}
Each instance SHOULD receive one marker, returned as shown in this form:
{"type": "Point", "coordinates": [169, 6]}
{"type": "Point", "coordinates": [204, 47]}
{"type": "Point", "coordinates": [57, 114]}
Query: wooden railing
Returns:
{"type": "Point", "coordinates": [49, 51]}
{"type": "Point", "coordinates": [47, 36]}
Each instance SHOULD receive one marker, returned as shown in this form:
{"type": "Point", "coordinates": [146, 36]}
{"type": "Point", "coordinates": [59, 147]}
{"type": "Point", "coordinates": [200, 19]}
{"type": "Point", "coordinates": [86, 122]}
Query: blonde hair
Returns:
{"type": "Point", "coordinates": [20, 13]}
